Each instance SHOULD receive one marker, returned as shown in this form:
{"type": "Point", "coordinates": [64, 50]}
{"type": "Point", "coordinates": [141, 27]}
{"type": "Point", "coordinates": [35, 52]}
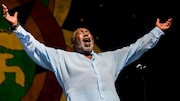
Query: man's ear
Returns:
{"type": "Point", "coordinates": [73, 43]}
{"type": "Point", "coordinates": [73, 46]}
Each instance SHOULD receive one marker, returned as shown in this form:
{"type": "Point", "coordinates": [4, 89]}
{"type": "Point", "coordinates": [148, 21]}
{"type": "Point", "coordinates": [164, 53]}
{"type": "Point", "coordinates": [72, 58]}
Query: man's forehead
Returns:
{"type": "Point", "coordinates": [82, 29]}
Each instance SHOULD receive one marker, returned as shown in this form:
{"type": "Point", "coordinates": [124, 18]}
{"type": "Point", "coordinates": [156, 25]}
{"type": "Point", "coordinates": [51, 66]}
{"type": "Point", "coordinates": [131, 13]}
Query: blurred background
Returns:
{"type": "Point", "coordinates": [114, 24]}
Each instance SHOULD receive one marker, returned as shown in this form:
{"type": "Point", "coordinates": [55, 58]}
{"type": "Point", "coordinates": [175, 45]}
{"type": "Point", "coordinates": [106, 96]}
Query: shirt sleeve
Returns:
{"type": "Point", "coordinates": [134, 51]}
{"type": "Point", "coordinates": [39, 53]}
{"type": "Point", "coordinates": [155, 30]}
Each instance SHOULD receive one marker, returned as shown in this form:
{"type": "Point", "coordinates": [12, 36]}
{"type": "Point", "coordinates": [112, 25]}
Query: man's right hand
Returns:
{"type": "Point", "coordinates": [13, 20]}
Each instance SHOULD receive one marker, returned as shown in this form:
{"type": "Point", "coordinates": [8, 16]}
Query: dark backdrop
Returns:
{"type": "Point", "coordinates": [118, 23]}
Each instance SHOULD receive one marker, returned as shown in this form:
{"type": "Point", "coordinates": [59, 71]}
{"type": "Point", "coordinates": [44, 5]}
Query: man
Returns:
{"type": "Point", "coordinates": [83, 74]}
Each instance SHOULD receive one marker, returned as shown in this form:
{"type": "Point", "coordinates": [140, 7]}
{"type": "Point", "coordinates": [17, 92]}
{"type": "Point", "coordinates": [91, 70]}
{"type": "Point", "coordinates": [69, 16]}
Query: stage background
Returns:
{"type": "Point", "coordinates": [114, 24]}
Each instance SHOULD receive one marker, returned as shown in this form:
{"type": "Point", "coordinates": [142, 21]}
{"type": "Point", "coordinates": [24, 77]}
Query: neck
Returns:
{"type": "Point", "coordinates": [89, 56]}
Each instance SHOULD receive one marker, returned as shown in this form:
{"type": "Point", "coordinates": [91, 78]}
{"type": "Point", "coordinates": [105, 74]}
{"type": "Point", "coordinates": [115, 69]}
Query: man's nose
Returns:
{"type": "Point", "coordinates": [86, 33]}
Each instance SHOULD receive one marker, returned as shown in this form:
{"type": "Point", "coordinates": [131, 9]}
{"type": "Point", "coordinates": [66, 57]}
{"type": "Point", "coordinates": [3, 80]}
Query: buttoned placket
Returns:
{"type": "Point", "coordinates": [99, 84]}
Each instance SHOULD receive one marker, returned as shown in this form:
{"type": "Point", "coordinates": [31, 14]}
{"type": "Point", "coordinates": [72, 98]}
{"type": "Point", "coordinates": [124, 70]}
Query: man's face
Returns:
{"type": "Point", "coordinates": [83, 41]}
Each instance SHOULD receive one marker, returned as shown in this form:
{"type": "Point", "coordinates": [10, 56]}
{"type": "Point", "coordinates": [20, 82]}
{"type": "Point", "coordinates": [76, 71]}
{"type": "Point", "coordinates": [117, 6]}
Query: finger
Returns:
{"type": "Point", "coordinates": [16, 14]}
{"type": "Point", "coordinates": [169, 21]}
{"type": "Point", "coordinates": [5, 11]}
{"type": "Point", "coordinates": [4, 7]}
{"type": "Point", "coordinates": [158, 20]}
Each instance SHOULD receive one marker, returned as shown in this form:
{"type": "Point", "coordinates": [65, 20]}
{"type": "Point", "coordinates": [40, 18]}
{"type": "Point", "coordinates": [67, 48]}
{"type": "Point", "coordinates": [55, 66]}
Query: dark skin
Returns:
{"type": "Point", "coordinates": [82, 40]}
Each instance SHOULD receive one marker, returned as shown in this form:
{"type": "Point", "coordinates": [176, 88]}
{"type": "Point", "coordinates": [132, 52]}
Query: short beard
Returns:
{"type": "Point", "coordinates": [85, 50]}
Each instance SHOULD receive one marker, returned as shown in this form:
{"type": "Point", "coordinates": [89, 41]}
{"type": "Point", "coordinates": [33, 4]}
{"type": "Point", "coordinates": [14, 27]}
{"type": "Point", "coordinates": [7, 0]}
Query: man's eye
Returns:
{"type": "Point", "coordinates": [80, 32]}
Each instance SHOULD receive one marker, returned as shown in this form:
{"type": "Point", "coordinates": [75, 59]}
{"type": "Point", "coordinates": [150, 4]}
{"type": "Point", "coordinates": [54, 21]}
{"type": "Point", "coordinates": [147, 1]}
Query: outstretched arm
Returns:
{"type": "Point", "coordinates": [37, 51]}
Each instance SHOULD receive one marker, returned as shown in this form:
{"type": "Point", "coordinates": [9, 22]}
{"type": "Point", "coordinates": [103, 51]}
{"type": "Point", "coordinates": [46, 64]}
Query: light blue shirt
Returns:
{"type": "Point", "coordinates": [81, 78]}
